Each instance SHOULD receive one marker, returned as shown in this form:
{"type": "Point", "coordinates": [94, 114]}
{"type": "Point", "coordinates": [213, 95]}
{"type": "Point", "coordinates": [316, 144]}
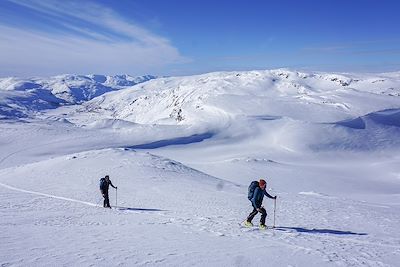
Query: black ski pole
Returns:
{"type": "Point", "coordinates": [274, 211]}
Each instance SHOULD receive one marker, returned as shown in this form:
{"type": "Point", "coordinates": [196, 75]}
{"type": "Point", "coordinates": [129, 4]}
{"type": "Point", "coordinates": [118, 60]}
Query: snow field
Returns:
{"type": "Point", "coordinates": [167, 207]}
{"type": "Point", "coordinates": [182, 151]}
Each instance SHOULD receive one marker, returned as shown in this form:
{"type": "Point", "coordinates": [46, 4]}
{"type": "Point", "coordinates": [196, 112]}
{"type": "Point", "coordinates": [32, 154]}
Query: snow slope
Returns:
{"type": "Point", "coordinates": [182, 151]}
{"type": "Point", "coordinates": [261, 94]}
{"type": "Point", "coordinates": [263, 105]}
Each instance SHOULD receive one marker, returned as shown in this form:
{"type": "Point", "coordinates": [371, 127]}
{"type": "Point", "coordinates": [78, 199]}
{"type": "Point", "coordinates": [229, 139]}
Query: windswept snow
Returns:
{"type": "Point", "coordinates": [182, 151]}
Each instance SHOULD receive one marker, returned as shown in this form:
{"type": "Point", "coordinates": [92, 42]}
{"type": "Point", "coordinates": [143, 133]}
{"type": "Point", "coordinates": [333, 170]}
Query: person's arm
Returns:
{"type": "Point", "coordinates": [268, 195]}
{"type": "Point", "coordinates": [112, 185]}
{"type": "Point", "coordinates": [253, 200]}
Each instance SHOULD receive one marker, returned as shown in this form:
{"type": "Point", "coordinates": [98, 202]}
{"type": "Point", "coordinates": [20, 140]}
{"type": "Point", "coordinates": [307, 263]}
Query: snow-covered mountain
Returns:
{"type": "Point", "coordinates": [315, 97]}
{"type": "Point", "coordinates": [259, 104]}
{"type": "Point", "coordinates": [182, 151]}
{"type": "Point", "coordinates": [25, 97]}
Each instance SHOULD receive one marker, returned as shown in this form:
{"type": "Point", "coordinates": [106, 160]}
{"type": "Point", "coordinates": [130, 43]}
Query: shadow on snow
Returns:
{"type": "Point", "coordinates": [316, 231]}
{"type": "Point", "coordinates": [387, 117]}
{"type": "Point", "coordinates": [136, 209]}
{"type": "Point", "coordinates": [174, 141]}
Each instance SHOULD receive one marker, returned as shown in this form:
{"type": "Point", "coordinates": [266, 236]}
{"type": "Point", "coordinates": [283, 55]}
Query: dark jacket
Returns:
{"type": "Point", "coordinates": [107, 186]}
{"type": "Point", "coordinates": [258, 197]}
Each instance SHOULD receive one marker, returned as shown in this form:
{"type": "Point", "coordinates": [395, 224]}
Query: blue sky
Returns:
{"type": "Point", "coordinates": [171, 37]}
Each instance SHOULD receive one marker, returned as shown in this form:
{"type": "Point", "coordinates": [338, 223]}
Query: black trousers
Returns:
{"type": "Point", "coordinates": [106, 202]}
{"type": "Point", "coordinates": [254, 213]}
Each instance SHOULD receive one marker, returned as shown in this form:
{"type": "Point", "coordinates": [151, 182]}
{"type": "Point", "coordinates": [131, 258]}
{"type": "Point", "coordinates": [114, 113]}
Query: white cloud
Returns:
{"type": "Point", "coordinates": [107, 43]}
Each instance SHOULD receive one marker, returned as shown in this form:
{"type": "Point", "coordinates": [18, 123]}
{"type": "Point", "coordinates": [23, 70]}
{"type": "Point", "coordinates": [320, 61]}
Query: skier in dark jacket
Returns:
{"type": "Point", "coordinates": [104, 186]}
{"type": "Point", "coordinates": [256, 202]}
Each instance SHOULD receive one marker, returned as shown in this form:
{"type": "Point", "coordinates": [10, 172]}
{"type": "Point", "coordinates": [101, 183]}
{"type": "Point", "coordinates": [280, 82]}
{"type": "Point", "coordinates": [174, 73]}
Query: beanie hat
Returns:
{"type": "Point", "coordinates": [262, 182]}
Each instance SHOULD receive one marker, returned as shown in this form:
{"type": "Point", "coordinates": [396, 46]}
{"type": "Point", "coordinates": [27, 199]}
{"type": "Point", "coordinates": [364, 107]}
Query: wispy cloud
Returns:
{"type": "Point", "coordinates": [86, 37]}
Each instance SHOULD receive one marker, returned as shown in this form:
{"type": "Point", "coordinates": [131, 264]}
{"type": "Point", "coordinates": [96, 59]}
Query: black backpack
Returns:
{"type": "Point", "coordinates": [103, 184]}
{"type": "Point", "coordinates": [253, 185]}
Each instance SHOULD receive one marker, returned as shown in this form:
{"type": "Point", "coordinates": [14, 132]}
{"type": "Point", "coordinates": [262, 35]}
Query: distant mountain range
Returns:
{"type": "Point", "coordinates": [215, 98]}
{"type": "Point", "coordinates": [220, 97]}
{"type": "Point", "coordinates": [25, 97]}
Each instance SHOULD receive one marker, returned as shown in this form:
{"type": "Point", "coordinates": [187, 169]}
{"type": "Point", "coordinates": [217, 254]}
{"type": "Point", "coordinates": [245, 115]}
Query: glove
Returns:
{"type": "Point", "coordinates": [275, 197]}
{"type": "Point", "coordinates": [116, 187]}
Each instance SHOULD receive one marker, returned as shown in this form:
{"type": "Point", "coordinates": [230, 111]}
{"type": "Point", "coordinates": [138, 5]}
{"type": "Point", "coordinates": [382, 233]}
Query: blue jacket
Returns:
{"type": "Point", "coordinates": [258, 197]}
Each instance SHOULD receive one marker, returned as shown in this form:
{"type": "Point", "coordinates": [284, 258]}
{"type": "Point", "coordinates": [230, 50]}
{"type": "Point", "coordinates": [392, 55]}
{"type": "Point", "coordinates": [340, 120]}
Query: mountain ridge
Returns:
{"type": "Point", "coordinates": [25, 97]}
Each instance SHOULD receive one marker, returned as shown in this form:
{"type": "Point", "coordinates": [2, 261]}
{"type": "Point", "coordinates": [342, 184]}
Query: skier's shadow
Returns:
{"type": "Point", "coordinates": [316, 231]}
{"type": "Point", "coordinates": [136, 209]}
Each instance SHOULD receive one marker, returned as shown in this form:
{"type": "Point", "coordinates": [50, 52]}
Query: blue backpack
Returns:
{"type": "Point", "coordinates": [252, 187]}
{"type": "Point", "coordinates": [103, 183]}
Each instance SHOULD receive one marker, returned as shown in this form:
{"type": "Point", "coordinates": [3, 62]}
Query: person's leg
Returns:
{"type": "Point", "coordinates": [104, 201]}
{"type": "Point", "coordinates": [263, 216]}
{"type": "Point", "coordinates": [252, 214]}
{"type": "Point", "coordinates": [107, 201]}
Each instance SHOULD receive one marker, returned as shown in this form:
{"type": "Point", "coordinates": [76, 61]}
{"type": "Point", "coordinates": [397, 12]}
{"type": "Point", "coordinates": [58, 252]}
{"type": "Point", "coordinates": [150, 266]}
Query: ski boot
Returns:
{"type": "Point", "coordinates": [248, 224]}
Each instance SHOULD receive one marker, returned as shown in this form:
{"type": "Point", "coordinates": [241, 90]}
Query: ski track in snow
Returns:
{"type": "Point", "coordinates": [47, 195]}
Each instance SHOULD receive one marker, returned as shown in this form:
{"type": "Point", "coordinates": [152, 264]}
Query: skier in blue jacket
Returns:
{"type": "Point", "coordinates": [256, 202]}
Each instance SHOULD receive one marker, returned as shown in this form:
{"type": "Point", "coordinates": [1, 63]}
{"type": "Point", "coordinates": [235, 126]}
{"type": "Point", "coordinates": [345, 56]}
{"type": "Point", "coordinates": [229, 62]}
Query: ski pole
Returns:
{"type": "Point", "coordinates": [274, 211]}
{"type": "Point", "coordinates": [116, 196]}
